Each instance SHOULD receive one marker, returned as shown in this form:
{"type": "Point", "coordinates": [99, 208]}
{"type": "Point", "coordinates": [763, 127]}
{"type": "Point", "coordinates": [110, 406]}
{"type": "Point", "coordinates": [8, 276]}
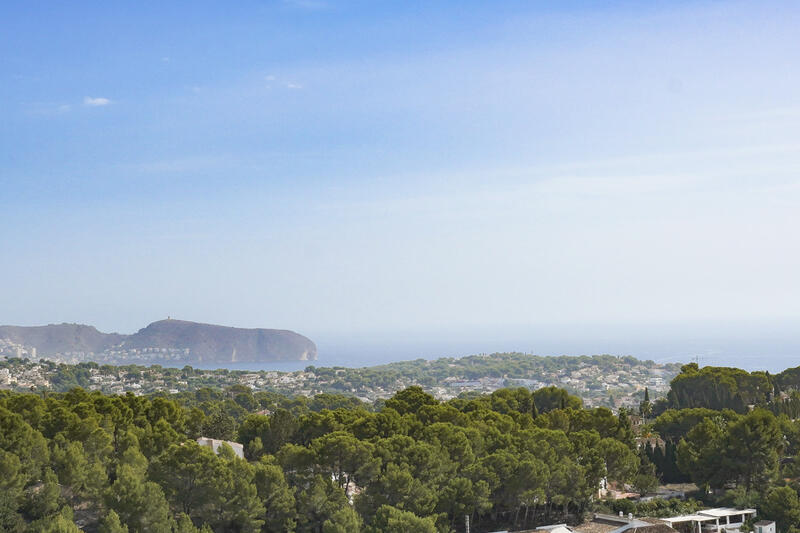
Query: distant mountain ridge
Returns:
{"type": "Point", "coordinates": [60, 338]}
{"type": "Point", "coordinates": [168, 340]}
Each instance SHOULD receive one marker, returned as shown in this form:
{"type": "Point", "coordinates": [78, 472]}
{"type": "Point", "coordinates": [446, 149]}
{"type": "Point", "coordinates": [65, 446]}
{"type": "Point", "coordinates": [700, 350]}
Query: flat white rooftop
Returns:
{"type": "Point", "coordinates": [726, 511]}
{"type": "Point", "coordinates": [688, 518]}
{"type": "Point", "coordinates": [556, 528]}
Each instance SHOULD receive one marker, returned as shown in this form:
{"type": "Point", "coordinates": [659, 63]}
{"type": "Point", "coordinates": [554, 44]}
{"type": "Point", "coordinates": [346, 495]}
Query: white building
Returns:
{"type": "Point", "coordinates": [214, 444]}
{"type": "Point", "coordinates": [718, 520]}
{"type": "Point", "coordinates": [764, 526]}
{"type": "Point", "coordinates": [555, 528]}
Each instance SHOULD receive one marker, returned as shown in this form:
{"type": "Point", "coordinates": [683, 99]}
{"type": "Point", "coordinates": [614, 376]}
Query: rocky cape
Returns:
{"type": "Point", "coordinates": [168, 340]}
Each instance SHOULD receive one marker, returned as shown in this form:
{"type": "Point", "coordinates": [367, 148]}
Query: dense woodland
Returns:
{"type": "Point", "coordinates": [515, 458]}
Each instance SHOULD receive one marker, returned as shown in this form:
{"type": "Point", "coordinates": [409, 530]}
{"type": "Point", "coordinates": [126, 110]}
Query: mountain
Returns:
{"type": "Point", "coordinates": [210, 343]}
{"type": "Point", "coordinates": [165, 340]}
{"type": "Point", "coordinates": [60, 338]}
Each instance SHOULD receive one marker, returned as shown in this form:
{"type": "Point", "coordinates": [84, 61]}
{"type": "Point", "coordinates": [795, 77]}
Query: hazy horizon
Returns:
{"type": "Point", "coordinates": [544, 175]}
{"type": "Point", "coordinates": [772, 345]}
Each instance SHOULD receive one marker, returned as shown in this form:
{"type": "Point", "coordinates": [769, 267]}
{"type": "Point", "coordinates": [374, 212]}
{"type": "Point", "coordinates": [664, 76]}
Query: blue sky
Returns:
{"type": "Point", "coordinates": [369, 169]}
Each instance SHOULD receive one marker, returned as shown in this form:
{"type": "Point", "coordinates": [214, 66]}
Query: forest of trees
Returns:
{"type": "Point", "coordinates": [80, 461]}
{"type": "Point", "coordinates": [128, 463]}
{"type": "Point", "coordinates": [719, 388]}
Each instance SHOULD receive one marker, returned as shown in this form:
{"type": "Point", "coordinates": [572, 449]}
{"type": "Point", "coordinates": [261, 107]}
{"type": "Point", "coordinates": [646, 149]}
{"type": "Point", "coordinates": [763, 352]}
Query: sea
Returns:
{"type": "Point", "coordinates": [771, 346]}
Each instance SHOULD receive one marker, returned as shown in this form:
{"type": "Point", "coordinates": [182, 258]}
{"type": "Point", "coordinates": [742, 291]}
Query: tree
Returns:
{"type": "Point", "coordinates": [46, 499]}
{"type": "Point", "coordinates": [624, 428]}
{"type": "Point", "coordinates": [673, 424]}
{"type": "Point", "coordinates": [645, 479]}
{"type": "Point", "coordinates": [59, 523]}
{"type": "Point", "coordinates": [484, 456]}
{"type": "Point", "coordinates": [282, 429]}
{"type": "Point", "coordinates": [645, 408]}
{"type": "Point", "coordinates": [345, 520]}
{"type": "Point", "coordinates": [392, 520]}
{"type": "Point", "coordinates": [345, 457]}
{"type": "Point", "coordinates": [220, 426]}
{"type": "Point", "coordinates": [745, 451]}
{"type": "Point", "coordinates": [398, 487]}
{"type": "Point", "coordinates": [111, 524]}
{"type": "Point", "coordinates": [12, 478]}
{"type": "Point", "coordinates": [334, 401]}
{"type": "Point", "coordinates": [644, 483]}
{"type": "Point", "coordinates": [10, 520]}
{"type": "Point", "coordinates": [550, 398]}
{"type": "Point", "coordinates": [241, 510]}
{"type": "Point", "coordinates": [621, 462]}
{"type": "Point", "coordinates": [527, 486]}
{"type": "Point", "coordinates": [718, 388]}
{"type": "Point", "coordinates": [410, 400]}
{"type": "Point", "coordinates": [318, 503]}
{"type": "Point", "coordinates": [783, 506]}
{"type": "Point", "coordinates": [752, 448]}
{"type": "Point", "coordinates": [461, 496]}
{"type": "Point", "coordinates": [254, 427]}
{"type": "Point", "coordinates": [19, 438]}
{"type": "Point", "coordinates": [191, 477]}
{"type": "Point", "coordinates": [276, 495]}
{"type": "Point", "coordinates": [699, 455]}
{"type": "Point", "coordinates": [70, 463]}
{"type": "Point", "coordinates": [159, 438]}
{"type": "Point", "coordinates": [139, 503]}
{"type": "Point", "coordinates": [297, 463]}
{"type": "Point", "coordinates": [183, 524]}
{"type": "Point", "coordinates": [195, 423]}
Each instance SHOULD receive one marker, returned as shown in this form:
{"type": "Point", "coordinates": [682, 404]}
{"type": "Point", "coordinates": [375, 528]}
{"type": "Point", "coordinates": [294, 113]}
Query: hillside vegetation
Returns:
{"type": "Point", "coordinates": [514, 458]}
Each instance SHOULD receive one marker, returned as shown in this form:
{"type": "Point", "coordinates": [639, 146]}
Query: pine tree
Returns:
{"type": "Point", "coordinates": [112, 524]}
{"type": "Point", "coordinates": [139, 503]}
{"type": "Point", "coordinates": [645, 408]}
{"type": "Point", "coordinates": [59, 523]}
{"type": "Point", "coordinates": [345, 520]}
{"type": "Point", "coordinates": [183, 524]}
{"type": "Point", "coordinates": [241, 509]}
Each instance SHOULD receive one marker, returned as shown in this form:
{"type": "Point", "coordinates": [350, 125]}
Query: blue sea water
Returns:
{"type": "Point", "coordinates": [751, 346]}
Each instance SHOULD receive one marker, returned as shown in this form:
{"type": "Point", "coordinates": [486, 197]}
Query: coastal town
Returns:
{"type": "Point", "coordinates": [599, 380]}
{"type": "Point", "coordinates": [117, 355]}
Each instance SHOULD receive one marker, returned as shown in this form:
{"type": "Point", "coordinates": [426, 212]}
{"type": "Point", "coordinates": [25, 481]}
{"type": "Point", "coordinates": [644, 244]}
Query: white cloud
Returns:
{"type": "Point", "coordinates": [96, 102]}
{"type": "Point", "coordinates": [293, 86]}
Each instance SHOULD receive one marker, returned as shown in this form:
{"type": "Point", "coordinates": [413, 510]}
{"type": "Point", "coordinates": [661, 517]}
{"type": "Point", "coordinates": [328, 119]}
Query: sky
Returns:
{"type": "Point", "coordinates": [368, 172]}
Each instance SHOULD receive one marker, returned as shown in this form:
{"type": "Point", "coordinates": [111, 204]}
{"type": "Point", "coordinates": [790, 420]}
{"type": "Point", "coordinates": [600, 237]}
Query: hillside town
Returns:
{"type": "Point", "coordinates": [599, 380]}
{"type": "Point", "coordinates": [117, 355]}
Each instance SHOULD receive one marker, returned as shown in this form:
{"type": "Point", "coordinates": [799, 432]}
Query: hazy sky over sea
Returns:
{"type": "Point", "coordinates": [372, 170]}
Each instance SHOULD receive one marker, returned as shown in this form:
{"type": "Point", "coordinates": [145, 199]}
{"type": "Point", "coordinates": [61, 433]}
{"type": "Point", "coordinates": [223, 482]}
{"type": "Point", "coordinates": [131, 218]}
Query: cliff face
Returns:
{"type": "Point", "coordinates": [198, 343]}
